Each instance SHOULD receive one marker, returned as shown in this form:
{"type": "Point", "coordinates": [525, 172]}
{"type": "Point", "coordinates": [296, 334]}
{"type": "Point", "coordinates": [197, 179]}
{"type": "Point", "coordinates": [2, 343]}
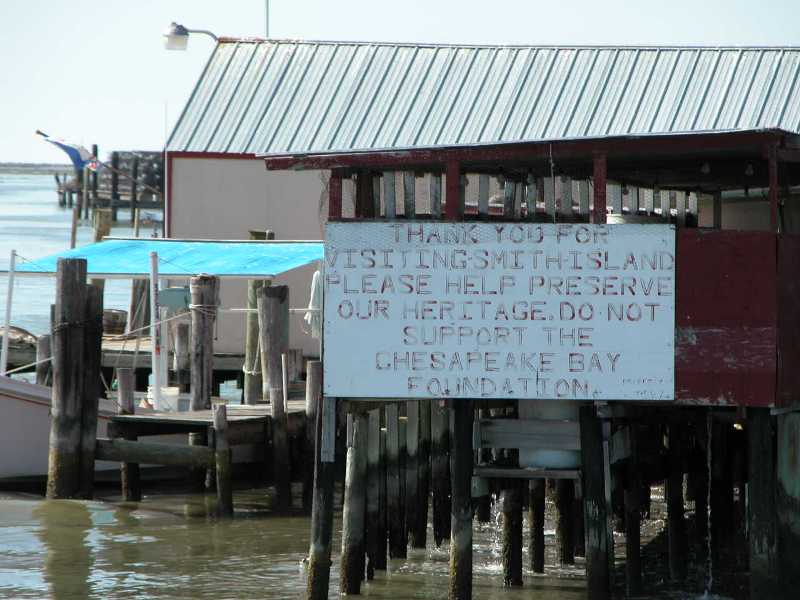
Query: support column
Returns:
{"type": "Point", "coordinates": [597, 569]}
{"type": "Point", "coordinates": [394, 487]}
{"type": "Point", "coordinates": [313, 392]}
{"type": "Point", "coordinates": [319, 554]}
{"type": "Point", "coordinates": [676, 524]}
{"type": "Point", "coordinates": [536, 522]}
{"type": "Point", "coordinates": [352, 566]}
{"type": "Point", "coordinates": [632, 499]}
{"type": "Point", "coordinates": [440, 470]}
{"type": "Point", "coordinates": [222, 461]}
{"type": "Point", "coordinates": [764, 580]}
{"type": "Point", "coordinates": [565, 519]}
{"type": "Point", "coordinates": [454, 202]}
{"type": "Point", "coordinates": [129, 472]}
{"type": "Point", "coordinates": [335, 196]}
{"type": "Point", "coordinates": [461, 459]}
{"type": "Point", "coordinates": [92, 386]}
{"type": "Point", "coordinates": [412, 475]}
{"type": "Point", "coordinates": [511, 507]}
{"type": "Point", "coordinates": [376, 555]}
{"type": "Point", "coordinates": [253, 388]}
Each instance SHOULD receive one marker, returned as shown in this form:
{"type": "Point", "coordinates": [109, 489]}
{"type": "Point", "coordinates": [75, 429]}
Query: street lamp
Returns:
{"type": "Point", "coordinates": [176, 37]}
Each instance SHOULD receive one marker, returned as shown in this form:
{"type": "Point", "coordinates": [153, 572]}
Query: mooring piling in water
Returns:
{"type": "Point", "coordinates": [676, 524]}
{"type": "Point", "coordinates": [593, 485]}
{"type": "Point", "coordinates": [394, 489]}
{"type": "Point", "coordinates": [313, 390]}
{"type": "Point", "coordinates": [253, 385]}
{"type": "Point", "coordinates": [44, 355]}
{"type": "Point", "coordinates": [632, 495]}
{"type": "Point", "coordinates": [63, 472]}
{"type": "Point", "coordinates": [565, 534]}
{"type": "Point", "coordinates": [511, 523]}
{"type": "Point", "coordinates": [129, 472]}
{"type": "Point", "coordinates": [440, 470]}
{"type": "Point", "coordinates": [415, 536]}
{"type": "Point", "coordinates": [222, 462]}
{"type": "Point", "coordinates": [461, 463]}
{"type": "Point", "coordinates": [352, 561]}
{"type": "Point", "coordinates": [536, 524]}
{"type": "Point", "coordinates": [273, 323]}
{"type": "Point", "coordinates": [420, 537]}
{"type": "Point", "coordinates": [373, 524]}
{"type": "Point", "coordinates": [92, 351]}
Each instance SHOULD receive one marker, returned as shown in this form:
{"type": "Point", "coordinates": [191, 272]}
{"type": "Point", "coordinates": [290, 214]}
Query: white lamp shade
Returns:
{"type": "Point", "coordinates": [176, 37]}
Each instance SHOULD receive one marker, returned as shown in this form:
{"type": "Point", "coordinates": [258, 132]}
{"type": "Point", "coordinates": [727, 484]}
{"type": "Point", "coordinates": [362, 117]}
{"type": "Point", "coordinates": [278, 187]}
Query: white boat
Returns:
{"type": "Point", "coordinates": [25, 428]}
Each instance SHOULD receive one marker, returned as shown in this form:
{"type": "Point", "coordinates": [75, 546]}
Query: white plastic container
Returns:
{"type": "Point", "coordinates": [168, 401]}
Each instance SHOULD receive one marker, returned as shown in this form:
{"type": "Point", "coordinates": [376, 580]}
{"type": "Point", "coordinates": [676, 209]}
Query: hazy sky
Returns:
{"type": "Point", "coordinates": [96, 70]}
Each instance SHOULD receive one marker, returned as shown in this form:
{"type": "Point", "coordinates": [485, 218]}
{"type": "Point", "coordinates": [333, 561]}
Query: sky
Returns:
{"type": "Point", "coordinates": [97, 72]}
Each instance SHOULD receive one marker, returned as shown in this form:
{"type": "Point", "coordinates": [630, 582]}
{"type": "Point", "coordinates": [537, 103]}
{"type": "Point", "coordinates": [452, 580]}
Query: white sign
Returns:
{"type": "Point", "coordinates": [499, 310]}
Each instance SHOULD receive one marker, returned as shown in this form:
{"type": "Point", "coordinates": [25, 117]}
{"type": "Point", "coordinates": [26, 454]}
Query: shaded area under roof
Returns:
{"type": "Point", "coordinates": [282, 96]}
{"type": "Point", "coordinates": [130, 258]}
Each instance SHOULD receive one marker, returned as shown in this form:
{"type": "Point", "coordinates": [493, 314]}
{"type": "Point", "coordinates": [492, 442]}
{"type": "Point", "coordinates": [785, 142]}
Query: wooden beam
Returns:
{"type": "Point", "coordinates": [525, 473]}
{"type": "Point", "coordinates": [335, 195]}
{"type": "Point", "coordinates": [153, 453]}
{"type": "Point", "coordinates": [454, 204]}
{"type": "Point", "coordinates": [529, 434]}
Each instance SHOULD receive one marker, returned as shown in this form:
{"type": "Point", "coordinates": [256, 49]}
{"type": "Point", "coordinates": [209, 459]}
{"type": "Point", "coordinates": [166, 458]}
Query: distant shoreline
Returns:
{"type": "Point", "coordinates": [34, 168]}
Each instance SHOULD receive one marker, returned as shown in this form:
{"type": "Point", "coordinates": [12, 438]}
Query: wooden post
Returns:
{"type": "Point", "coordinates": [139, 308]}
{"type": "Point", "coordinates": [253, 386]}
{"type": "Point", "coordinates": [352, 566]}
{"type": "Point", "coordinates": [73, 231]}
{"type": "Point", "coordinates": [565, 535]}
{"type": "Point", "coordinates": [536, 519]}
{"type": "Point", "coordinates": [114, 202]}
{"type": "Point", "coordinates": [676, 525]}
{"type": "Point", "coordinates": [319, 555]}
{"type": "Point", "coordinates": [454, 201]}
{"type": "Point", "coordinates": [764, 579]}
{"type": "Point", "coordinates": [222, 461]}
{"type": "Point", "coordinates": [700, 484]}
{"type": "Point", "coordinates": [335, 195]}
{"type": "Point", "coordinates": [381, 560]}
{"type": "Point", "coordinates": [394, 473]}
{"type": "Point", "coordinates": [579, 525]}
{"type": "Point", "coordinates": [44, 367]}
{"type": "Point", "coordinates": [423, 474]}
{"type": "Point", "coordinates": [511, 508]}
{"type": "Point", "coordinates": [129, 472]}
{"type": "Point", "coordinates": [461, 460]}
{"type": "Point", "coordinates": [597, 572]}
{"type": "Point", "coordinates": [717, 210]}
{"type": "Point", "coordinates": [313, 391]}
{"type": "Point", "coordinates": [92, 351]}
{"type": "Point", "coordinates": [273, 323]}
{"type": "Point", "coordinates": [134, 210]}
{"type": "Point", "coordinates": [68, 342]}
{"type": "Point", "coordinates": [599, 176]}
{"type": "Point", "coordinates": [93, 176]}
{"type": "Point", "coordinates": [440, 470]}
{"type": "Point", "coordinates": [633, 552]}
{"type": "Point", "coordinates": [182, 362]}
{"type": "Point", "coordinates": [412, 476]}
{"type": "Point", "coordinates": [373, 524]}
{"type": "Point", "coordinates": [101, 227]}
{"type": "Point", "coordinates": [409, 195]}
{"type": "Point", "coordinates": [203, 290]}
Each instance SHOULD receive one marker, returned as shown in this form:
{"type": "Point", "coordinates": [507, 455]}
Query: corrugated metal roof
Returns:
{"type": "Point", "coordinates": [276, 97]}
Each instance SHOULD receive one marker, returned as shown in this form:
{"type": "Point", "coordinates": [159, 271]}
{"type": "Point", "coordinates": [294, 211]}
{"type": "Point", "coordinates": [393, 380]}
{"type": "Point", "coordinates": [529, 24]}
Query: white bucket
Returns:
{"type": "Point", "coordinates": [168, 401]}
{"type": "Point", "coordinates": [549, 410]}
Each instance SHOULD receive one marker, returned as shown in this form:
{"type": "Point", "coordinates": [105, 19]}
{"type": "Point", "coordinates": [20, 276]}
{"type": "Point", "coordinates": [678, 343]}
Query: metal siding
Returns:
{"type": "Point", "coordinates": [289, 96]}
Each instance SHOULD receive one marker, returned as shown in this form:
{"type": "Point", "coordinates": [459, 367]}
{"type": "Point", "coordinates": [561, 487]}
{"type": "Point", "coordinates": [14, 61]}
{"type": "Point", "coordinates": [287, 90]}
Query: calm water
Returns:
{"type": "Point", "coordinates": [32, 224]}
{"type": "Point", "coordinates": [169, 547]}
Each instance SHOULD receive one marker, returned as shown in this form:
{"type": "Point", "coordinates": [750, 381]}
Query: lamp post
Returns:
{"type": "Point", "coordinates": [176, 36]}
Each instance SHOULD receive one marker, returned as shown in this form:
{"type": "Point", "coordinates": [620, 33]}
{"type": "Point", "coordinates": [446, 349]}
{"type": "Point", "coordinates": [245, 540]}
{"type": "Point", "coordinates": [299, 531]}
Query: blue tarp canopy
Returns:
{"type": "Point", "coordinates": [129, 258]}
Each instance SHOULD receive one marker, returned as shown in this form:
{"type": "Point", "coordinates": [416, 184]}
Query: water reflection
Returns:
{"type": "Point", "coordinates": [64, 529]}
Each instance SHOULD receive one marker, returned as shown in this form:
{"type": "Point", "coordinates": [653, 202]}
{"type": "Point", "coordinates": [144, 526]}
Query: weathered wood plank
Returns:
{"type": "Point", "coordinates": [529, 434]}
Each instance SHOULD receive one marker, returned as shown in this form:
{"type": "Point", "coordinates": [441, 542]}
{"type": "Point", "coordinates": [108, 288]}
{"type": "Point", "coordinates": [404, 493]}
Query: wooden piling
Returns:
{"type": "Point", "coordinates": [92, 386]}
{"type": "Point", "coordinates": [319, 555]}
{"type": "Point", "coordinates": [68, 342]}
{"type": "Point", "coordinates": [700, 479]}
{"type": "Point", "coordinates": [73, 230]}
{"type": "Point", "coordinates": [423, 474]}
{"type": "Point", "coordinates": [273, 323]}
{"type": "Point", "coordinates": [597, 543]}
{"type": "Point", "coordinates": [139, 308]}
{"type": "Point", "coordinates": [203, 290]}
{"type": "Point", "coordinates": [313, 391]}
{"type": "Point", "coordinates": [352, 565]}
{"type": "Point", "coordinates": [764, 579]}
{"type": "Point", "coordinates": [394, 474]}
{"type": "Point", "coordinates": [632, 493]}
{"type": "Point", "coordinates": [222, 461]}
{"type": "Point", "coordinates": [129, 472]}
{"type": "Point", "coordinates": [676, 524]}
{"type": "Point", "coordinates": [565, 534]}
{"type": "Point", "coordinates": [114, 184]}
{"type": "Point", "coordinates": [412, 475]}
{"type": "Point", "coordinates": [381, 559]}
{"type": "Point", "coordinates": [373, 524]}
{"type": "Point", "coordinates": [253, 386]}
{"type": "Point", "coordinates": [182, 363]}
{"type": "Point", "coordinates": [578, 524]}
{"type": "Point", "coordinates": [536, 524]}
{"type": "Point", "coordinates": [511, 521]}
{"type": "Point", "coordinates": [461, 460]}
{"type": "Point", "coordinates": [440, 470]}
{"type": "Point", "coordinates": [44, 367]}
